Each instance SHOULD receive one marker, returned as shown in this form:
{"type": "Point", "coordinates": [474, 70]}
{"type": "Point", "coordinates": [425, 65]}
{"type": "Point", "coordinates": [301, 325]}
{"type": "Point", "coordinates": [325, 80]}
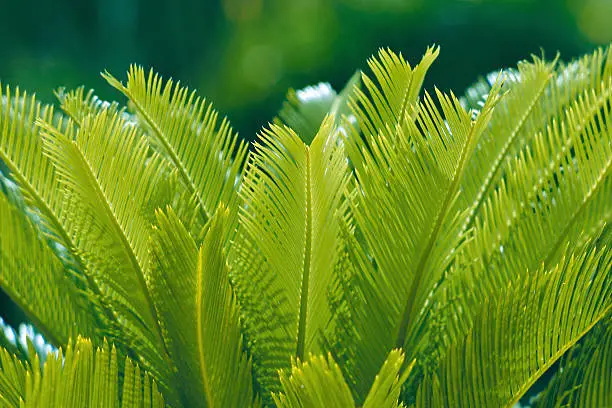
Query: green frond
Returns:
{"type": "Point", "coordinates": [78, 105]}
{"type": "Point", "coordinates": [287, 244]}
{"type": "Point", "coordinates": [376, 248]}
{"type": "Point", "coordinates": [13, 372]}
{"type": "Point", "coordinates": [85, 376]}
{"type": "Point", "coordinates": [537, 94]}
{"type": "Point", "coordinates": [319, 382]}
{"type": "Point", "coordinates": [543, 195]}
{"type": "Point", "coordinates": [199, 314]}
{"type": "Point", "coordinates": [24, 253]}
{"type": "Point", "coordinates": [572, 80]}
{"type": "Point", "coordinates": [519, 335]}
{"type": "Point", "coordinates": [340, 338]}
{"type": "Point", "coordinates": [569, 80]}
{"type": "Point", "coordinates": [21, 150]}
{"type": "Point", "coordinates": [208, 156]}
{"type": "Point", "coordinates": [552, 193]}
{"type": "Point", "coordinates": [108, 174]}
{"type": "Point", "coordinates": [509, 126]}
{"type": "Point", "coordinates": [596, 390]}
{"type": "Point", "coordinates": [385, 391]}
{"type": "Point", "coordinates": [540, 196]}
{"type": "Point", "coordinates": [408, 181]}
{"type": "Point", "coordinates": [570, 380]}
{"type": "Point", "coordinates": [305, 109]}
{"type": "Point", "coordinates": [391, 95]}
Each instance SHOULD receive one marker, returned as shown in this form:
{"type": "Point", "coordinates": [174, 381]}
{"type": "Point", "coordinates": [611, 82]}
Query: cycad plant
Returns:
{"type": "Point", "coordinates": [377, 247]}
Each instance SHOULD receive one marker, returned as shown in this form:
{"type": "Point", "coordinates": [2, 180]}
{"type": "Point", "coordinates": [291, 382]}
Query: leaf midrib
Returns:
{"type": "Point", "coordinates": [166, 144]}
{"type": "Point", "coordinates": [529, 383]}
{"type": "Point", "coordinates": [566, 146]}
{"type": "Point", "coordinates": [403, 112]}
{"type": "Point", "coordinates": [419, 271]}
{"type": "Point", "coordinates": [199, 329]}
{"type": "Point", "coordinates": [303, 313]}
{"type": "Point", "coordinates": [58, 227]}
{"type": "Point", "coordinates": [482, 193]}
{"type": "Point", "coordinates": [576, 215]}
{"type": "Point", "coordinates": [128, 250]}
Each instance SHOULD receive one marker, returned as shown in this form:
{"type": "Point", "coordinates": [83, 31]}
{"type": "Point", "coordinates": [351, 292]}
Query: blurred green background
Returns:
{"type": "Point", "coordinates": [244, 54]}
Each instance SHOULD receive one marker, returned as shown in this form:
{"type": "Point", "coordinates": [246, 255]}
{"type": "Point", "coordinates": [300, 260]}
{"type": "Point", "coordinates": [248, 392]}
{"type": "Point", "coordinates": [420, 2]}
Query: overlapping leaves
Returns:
{"type": "Point", "coordinates": [474, 240]}
{"type": "Point", "coordinates": [522, 332]}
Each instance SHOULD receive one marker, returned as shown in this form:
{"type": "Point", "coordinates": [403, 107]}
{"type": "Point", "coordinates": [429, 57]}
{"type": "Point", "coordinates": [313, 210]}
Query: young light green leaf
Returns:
{"type": "Point", "coordinates": [108, 173]}
{"type": "Point", "coordinates": [199, 314]}
{"type": "Point", "coordinates": [408, 179]}
{"type": "Point", "coordinates": [317, 382]}
{"type": "Point", "coordinates": [385, 391]}
{"type": "Point", "coordinates": [287, 245]}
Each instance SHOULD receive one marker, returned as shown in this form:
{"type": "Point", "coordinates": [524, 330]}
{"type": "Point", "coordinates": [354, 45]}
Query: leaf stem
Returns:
{"type": "Point", "coordinates": [301, 335]}
{"type": "Point", "coordinates": [426, 253]}
{"type": "Point", "coordinates": [129, 252]}
{"type": "Point", "coordinates": [199, 331]}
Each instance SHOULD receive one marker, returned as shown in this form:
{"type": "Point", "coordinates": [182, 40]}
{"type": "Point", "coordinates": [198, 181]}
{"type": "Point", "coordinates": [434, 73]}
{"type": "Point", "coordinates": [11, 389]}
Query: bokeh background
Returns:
{"type": "Point", "coordinates": [245, 54]}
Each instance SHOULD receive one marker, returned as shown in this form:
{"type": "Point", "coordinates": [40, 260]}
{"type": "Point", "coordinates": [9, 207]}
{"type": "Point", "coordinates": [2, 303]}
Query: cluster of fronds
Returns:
{"type": "Point", "coordinates": [378, 247]}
